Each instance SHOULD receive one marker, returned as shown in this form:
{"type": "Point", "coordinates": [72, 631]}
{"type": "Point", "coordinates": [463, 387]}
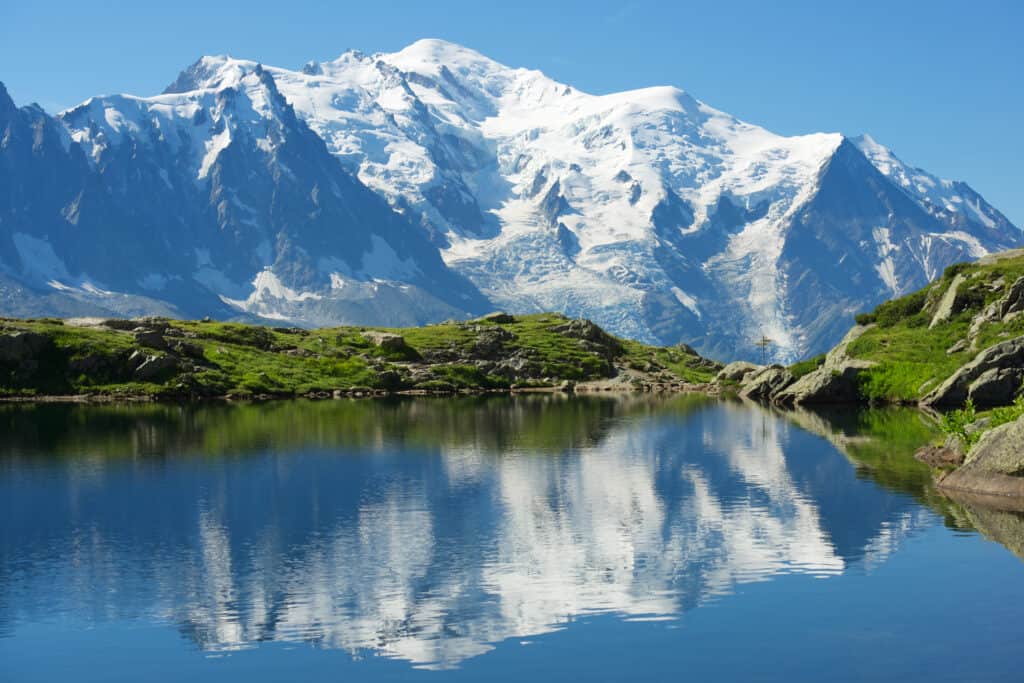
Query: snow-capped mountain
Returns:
{"type": "Point", "coordinates": [647, 211]}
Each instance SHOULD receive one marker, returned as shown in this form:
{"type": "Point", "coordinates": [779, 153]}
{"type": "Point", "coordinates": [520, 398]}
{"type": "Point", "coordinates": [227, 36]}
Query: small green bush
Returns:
{"type": "Point", "coordinates": [1007, 414]}
{"type": "Point", "coordinates": [892, 312]}
{"type": "Point", "coordinates": [865, 318]}
{"type": "Point", "coordinates": [955, 423]}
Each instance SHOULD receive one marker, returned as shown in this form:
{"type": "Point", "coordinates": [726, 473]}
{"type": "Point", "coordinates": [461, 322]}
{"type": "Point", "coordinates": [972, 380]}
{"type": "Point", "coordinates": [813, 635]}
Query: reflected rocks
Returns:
{"type": "Point", "coordinates": [429, 530]}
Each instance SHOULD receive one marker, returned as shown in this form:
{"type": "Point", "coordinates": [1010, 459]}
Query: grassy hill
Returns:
{"type": "Point", "coordinates": [156, 357]}
{"type": "Point", "coordinates": [920, 340]}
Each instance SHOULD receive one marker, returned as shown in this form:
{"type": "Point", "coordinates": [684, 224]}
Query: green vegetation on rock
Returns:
{"type": "Point", "coordinates": [156, 357]}
{"type": "Point", "coordinates": [918, 341]}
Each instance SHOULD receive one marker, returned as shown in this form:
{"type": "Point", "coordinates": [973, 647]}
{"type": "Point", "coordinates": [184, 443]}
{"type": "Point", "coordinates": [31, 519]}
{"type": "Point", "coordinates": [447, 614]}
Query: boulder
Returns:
{"type": "Point", "coordinates": [388, 341]}
{"type": "Point", "coordinates": [189, 349]}
{"type": "Point", "coordinates": [497, 317]}
{"type": "Point", "coordinates": [956, 389]}
{"type": "Point", "coordinates": [490, 342]}
{"type": "Point", "coordinates": [995, 466]}
{"type": "Point", "coordinates": [153, 368]}
{"type": "Point", "coordinates": [150, 338]}
{"type": "Point", "coordinates": [824, 385]}
{"type": "Point", "coordinates": [736, 371]}
{"type": "Point", "coordinates": [995, 387]}
{"type": "Point", "coordinates": [764, 385]}
{"type": "Point", "coordinates": [18, 347]}
{"type": "Point", "coordinates": [596, 339]}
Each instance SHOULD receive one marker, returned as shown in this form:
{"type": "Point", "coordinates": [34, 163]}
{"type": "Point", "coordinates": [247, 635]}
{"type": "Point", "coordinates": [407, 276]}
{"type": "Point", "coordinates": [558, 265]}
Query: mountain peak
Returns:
{"type": "Point", "coordinates": [437, 52]}
{"type": "Point", "coordinates": [208, 72]}
{"type": "Point", "coordinates": [6, 103]}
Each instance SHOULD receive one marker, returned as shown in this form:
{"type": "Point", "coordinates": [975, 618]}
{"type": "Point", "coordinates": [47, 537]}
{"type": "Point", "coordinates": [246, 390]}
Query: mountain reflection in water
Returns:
{"type": "Point", "coordinates": [429, 530]}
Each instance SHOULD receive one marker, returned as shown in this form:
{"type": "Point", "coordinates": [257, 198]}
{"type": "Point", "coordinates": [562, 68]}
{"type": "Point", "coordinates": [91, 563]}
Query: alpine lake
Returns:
{"type": "Point", "coordinates": [506, 538]}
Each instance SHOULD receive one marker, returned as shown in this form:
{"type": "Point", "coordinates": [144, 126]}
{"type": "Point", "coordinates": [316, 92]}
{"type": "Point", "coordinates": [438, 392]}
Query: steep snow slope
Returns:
{"type": "Point", "coordinates": [222, 202]}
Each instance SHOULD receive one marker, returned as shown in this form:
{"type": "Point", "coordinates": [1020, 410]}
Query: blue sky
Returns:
{"type": "Point", "coordinates": [940, 82]}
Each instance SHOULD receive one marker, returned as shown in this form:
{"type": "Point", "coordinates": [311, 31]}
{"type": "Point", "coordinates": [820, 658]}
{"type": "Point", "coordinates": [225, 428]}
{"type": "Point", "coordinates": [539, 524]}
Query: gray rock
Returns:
{"type": "Point", "coordinates": [1003, 309]}
{"type": "Point", "coordinates": [995, 466]}
{"type": "Point", "coordinates": [956, 389]}
{"type": "Point", "coordinates": [18, 347]}
{"type": "Point", "coordinates": [155, 367]}
{"type": "Point", "coordinates": [767, 383]}
{"type": "Point", "coordinates": [736, 371]}
{"type": "Point", "coordinates": [490, 342]}
{"type": "Point", "coordinates": [834, 382]}
{"type": "Point", "coordinates": [150, 338]}
{"type": "Point", "coordinates": [189, 349]}
{"type": "Point", "coordinates": [947, 302]}
{"type": "Point", "coordinates": [995, 387]}
{"type": "Point", "coordinates": [388, 341]}
{"type": "Point", "coordinates": [597, 340]}
{"type": "Point", "coordinates": [822, 386]}
{"type": "Point", "coordinates": [961, 345]}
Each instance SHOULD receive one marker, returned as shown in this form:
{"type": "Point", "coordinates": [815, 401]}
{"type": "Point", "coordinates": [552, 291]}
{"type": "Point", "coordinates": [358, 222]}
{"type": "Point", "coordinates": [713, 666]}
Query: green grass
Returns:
{"type": "Point", "coordinates": [911, 357]}
{"type": "Point", "coordinates": [808, 366]}
{"type": "Point", "coordinates": [251, 360]}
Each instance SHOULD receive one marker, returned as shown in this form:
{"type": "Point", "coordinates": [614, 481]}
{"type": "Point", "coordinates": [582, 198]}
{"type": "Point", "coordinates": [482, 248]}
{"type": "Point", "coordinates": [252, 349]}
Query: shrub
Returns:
{"type": "Point", "coordinates": [955, 423]}
{"type": "Point", "coordinates": [892, 312]}
{"type": "Point", "coordinates": [955, 269]}
{"type": "Point", "coordinates": [1010, 413]}
{"type": "Point", "coordinates": [864, 318]}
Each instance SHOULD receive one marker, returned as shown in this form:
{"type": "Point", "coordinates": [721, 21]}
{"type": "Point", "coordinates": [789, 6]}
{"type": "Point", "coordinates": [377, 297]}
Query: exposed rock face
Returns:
{"type": "Point", "coordinates": [834, 382]}
{"type": "Point", "coordinates": [975, 377]}
{"type": "Point", "coordinates": [19, 347]}
{"type": "Point", "coordinates": [594, 337]}
{"type": "Point", "coordinates": [155, 367]}
{"type": "Point", "coordinates": [947, 303]}
{"type": "Point", "coordinates": [1001, 310]}
{"type": "Point", "coordinates": [151, 338]}
{"type": "Point", "coordinates": [996, 387]}
{"type": "Point", "coordinates": [767, 383]}
{"type": "Point", "coordinates": [736, 371]}
{"type": "Point", "coordinates": [995, 466]}
{"type": "Point", "coordinates": [824, 385]}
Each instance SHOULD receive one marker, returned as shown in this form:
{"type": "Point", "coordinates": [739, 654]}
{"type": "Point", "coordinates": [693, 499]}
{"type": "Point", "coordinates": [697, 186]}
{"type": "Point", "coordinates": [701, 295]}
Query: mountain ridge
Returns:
{"type": "Point", "coordinates": [648, 211]}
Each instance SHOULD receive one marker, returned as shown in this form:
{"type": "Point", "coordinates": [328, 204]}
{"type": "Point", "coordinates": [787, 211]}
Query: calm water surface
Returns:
{"type": "Point", "coordinates": [493, 539]}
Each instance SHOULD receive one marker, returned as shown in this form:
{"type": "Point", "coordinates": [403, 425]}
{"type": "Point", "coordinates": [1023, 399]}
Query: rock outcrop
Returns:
{"type": "Point", "coordinates": [737, 371]}
{"type": "Point", "coordinates": [1004, 309]}
{"type": "Point", "coordinates": [836, 381]}
{"type": "Point", "coordinates": [387, 341]}
{"type": "Point", "coordinates": [947, 303]}
{"type": "Point", "coordinates": [767, 383]}
{"type": "Point", "coordinates": [992, 378]}
{"type": "Point", "coordinates": [995, 466]}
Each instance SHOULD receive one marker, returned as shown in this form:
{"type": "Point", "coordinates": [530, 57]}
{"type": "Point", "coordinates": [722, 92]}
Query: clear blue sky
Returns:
{"type": "Point", "coordinates": [940, 82]}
